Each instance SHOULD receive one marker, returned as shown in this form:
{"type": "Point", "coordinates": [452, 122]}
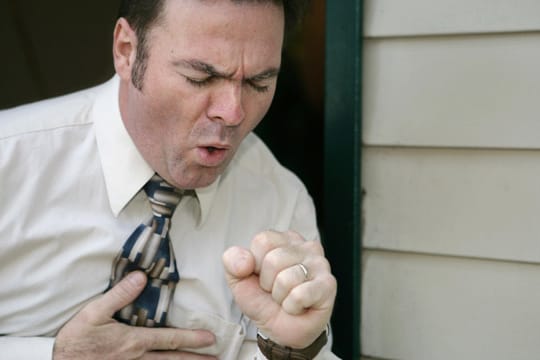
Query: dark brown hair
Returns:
{"type": "Point", "coordinates": [143, 14]}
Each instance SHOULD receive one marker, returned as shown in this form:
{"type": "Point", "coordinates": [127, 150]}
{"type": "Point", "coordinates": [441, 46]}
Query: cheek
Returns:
{"type": "Point", "coordinates": [259, 110]}
{"type": "Point", "coordinates": [176, 112]}
{"type": "Point", "coordinates": [170, 95]}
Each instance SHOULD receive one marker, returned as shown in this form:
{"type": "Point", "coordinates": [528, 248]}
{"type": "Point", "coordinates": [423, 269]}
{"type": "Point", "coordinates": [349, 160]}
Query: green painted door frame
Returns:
{"type": "Point", "coordinates": [342, 177]}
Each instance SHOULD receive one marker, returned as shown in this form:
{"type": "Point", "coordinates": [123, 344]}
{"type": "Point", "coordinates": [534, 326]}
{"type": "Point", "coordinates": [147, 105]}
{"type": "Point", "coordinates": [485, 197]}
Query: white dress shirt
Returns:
{"type": "Point", "coordinates": [70, 195]}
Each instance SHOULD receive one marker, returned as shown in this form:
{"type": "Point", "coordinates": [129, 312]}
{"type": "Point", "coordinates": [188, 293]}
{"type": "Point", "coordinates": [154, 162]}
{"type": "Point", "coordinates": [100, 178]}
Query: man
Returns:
{"type": "Point", "coordinates": [194, 77]}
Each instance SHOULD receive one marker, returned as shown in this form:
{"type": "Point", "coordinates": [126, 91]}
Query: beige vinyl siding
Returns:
{"type": "Point", "coordinates": [436, 308]}
{"type": "Point", "coordinates": [457, 202]}
{"type": "Point", "coordinates": [384, 18]}
{"type": "Point", "coordinates": [451, 174]}
{"type": "Point", "coordinates": [472, 91]}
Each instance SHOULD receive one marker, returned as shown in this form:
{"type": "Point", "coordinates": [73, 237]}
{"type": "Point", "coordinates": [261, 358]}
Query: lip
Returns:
{"type": "Point", "coordinates": [212, 155]}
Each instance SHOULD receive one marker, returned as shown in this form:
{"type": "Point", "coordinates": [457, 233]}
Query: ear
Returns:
{"type": "Point", "coordinates": [124, 48]}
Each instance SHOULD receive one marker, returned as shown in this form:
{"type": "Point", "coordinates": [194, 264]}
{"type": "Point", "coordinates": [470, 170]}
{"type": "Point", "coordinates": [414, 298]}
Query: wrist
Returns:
{"type": "Point", "coordinates": [274, 351]}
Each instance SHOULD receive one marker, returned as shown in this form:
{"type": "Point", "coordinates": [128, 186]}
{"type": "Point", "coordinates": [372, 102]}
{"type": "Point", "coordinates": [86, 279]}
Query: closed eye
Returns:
{"type": "Point", "coordinates": [200, 82]}
{"type": "Point", "coordinates": [257, 87]}
{"type": "Point", "coordinates": [262, 82]}
{"type": "Point", "coordinates": [210, 79]}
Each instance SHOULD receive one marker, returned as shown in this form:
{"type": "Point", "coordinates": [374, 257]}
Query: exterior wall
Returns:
{"type": "Point", "coordinates": [451, 174]}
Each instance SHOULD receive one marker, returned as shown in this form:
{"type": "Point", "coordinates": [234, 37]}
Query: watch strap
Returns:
{"type": "Point", "coordinates": [273, 351]}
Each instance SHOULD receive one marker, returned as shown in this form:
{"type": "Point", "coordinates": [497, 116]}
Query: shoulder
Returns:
{"type": "Point", "coordinates": [255, 161]}
{"type": "Point", "coordinates": [58, 112]}
{"type": "Point", "coordinates": [269, 194]}
{"type": "Point", "coordinates": [261, 178]}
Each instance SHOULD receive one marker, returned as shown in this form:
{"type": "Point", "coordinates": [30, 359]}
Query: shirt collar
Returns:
{"type": "Point", "coordinates": [124, 168]}
{"type": "Point", "coordinates": [206, 197]}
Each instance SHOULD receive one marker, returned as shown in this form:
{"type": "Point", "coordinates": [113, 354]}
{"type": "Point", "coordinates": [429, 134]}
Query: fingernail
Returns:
{"type": "Point", "coordinates": [209, 338]}
{"type": "Point", "coordinates": [137, 278]}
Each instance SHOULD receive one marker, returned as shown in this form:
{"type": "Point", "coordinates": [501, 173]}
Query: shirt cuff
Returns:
{"type": "Point", "coordinates": [26, 348]}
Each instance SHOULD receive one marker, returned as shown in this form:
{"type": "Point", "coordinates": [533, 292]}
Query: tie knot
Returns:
{"type": "Point", "coordinates": [163, 197]}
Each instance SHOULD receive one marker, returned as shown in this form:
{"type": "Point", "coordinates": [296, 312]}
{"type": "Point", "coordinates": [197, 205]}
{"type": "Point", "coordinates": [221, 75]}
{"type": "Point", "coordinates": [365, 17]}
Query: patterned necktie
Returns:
{"type": "Point", "coordinates": [149, 249]}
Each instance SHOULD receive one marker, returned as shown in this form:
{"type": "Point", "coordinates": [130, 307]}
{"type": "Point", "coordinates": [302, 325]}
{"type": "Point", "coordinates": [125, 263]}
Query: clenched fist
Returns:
{"type": "Point", "coordinates": [283, 283]}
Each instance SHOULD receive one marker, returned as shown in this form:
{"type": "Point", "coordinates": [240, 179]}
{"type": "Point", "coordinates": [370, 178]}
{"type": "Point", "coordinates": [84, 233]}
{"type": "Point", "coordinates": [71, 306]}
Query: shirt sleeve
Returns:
{"type": "Point", "coordinates": [26, 348]}
{"type": "Point", "coordinates": [304, 220]}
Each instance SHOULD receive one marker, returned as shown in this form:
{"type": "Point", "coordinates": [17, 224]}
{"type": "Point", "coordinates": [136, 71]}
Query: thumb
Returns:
{"type": "Point", "coordinates": [239, 263]}
{"type": "Point", "coordinates": [122, 294]}
{"type": "Point", "coordinates": [252, 300]}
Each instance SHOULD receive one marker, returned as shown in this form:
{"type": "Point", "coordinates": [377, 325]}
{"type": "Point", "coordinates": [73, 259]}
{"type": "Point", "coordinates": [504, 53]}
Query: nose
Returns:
{"type": "Point", "coordinates": [226, 104]}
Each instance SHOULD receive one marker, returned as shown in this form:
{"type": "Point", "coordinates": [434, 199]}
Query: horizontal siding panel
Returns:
{"type": "Point", "coordinates": [475, 203]}
{"type": "Point", "coordinates": [464, 91]}
{"type": "Point", "coordinates": [421, 17]}
{"type": "Point", "coordinates": [423, 308]}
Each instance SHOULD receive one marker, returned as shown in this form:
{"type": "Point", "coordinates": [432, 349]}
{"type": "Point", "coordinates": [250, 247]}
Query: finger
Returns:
{"type": "Point", "coordinates": [168, 355]}
{"type": "Point", "coordinates": [285, 281]}
{"type": "Point", "coordinates": [266, 241]}
{"type": "Point", "coordinates": [263, 243]}
{"type": "Point", "coordinates": [173, 339]}
{"type": "Point", "coordinates": [317, 294]}
{"type": "Point", "coordinates": [276, 261]}
{"type": "Point", "coordinates": [239, 267]}
{"type": "Point", "coordinates": [298, 251]}
{"type": "Point", "coordinates": [295, 238]}
{"type": "Point", "coordinates": [122, 294]}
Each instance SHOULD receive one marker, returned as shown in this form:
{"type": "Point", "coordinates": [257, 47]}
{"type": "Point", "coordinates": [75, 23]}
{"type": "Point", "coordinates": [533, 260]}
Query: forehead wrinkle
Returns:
{"type": "Point", "coordinates": [209, 69]}
{"type": "Point", "coordinates": [202, 67]}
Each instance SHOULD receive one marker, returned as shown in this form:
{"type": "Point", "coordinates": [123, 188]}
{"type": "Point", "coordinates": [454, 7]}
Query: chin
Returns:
{"type": "Point", "coordinates": [196, 180]}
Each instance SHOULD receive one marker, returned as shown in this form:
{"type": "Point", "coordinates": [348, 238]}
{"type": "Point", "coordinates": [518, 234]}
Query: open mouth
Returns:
{"type": "Point", "coordinates": [212, 155]}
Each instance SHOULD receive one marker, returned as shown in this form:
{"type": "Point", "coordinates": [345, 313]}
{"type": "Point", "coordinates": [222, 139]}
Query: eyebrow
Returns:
{"type": "Point", "coordinates": [212, 71]}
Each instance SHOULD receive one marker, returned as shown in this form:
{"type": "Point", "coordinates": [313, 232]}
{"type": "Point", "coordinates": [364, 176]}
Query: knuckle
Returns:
{"type": "Point", "coordinates": [282, 281]}
{"type": "Point", "coordinates": [294, 236]}
{"type": "Point", "coordinates": [269, 240]}
{"type": "Point", "coordinates": [171, 341]}
{"type": "Point", "coordinates": [296, 298]}
{"type": "Point", "coordinates": [262, 240]}
{"type": "Point", "coordinates": [131, 343]}
{"type": "Point", "coordinates": [321, 263]}
{"type": "Point", "coordinates": [293, 304]}
{"type": "Point", "coordinates": [313, 247]}
{"type": "Point", "coordinates": [329, 282]}
{"type": "Point", "coordinates": [272, 260]}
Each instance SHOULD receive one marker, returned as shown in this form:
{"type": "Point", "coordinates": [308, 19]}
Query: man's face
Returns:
{"type": "Point", "coordinates": [210, 77]}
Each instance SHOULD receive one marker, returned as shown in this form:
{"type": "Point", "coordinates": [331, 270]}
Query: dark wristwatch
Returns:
{"type": "Point", "coordinates": [273, 351]}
